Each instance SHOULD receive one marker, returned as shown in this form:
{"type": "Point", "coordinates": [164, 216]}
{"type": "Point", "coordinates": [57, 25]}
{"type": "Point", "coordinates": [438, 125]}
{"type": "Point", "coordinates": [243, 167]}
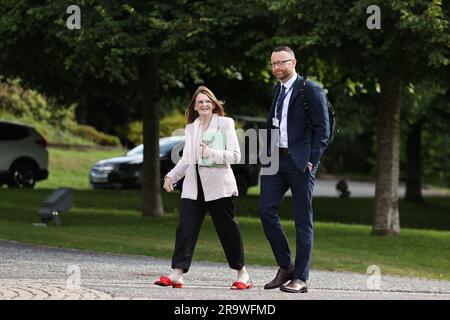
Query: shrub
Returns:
{"type": "Point", "coordinates": [90, 133]}
{"type": "Point", "coordinates": [167, 125]}
{"type": "Point", "coordinates": [171, 122]}
{"type": "Point", "coordinates": [57, 123]}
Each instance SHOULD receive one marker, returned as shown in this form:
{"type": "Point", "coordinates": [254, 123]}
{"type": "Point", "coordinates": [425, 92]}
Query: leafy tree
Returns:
{"type": "Point", "coordinates": [130, 50]}
{"type": "Point", "coordinates": [424, 106]}
{"type": "Point", "coordinates": [413, 40]}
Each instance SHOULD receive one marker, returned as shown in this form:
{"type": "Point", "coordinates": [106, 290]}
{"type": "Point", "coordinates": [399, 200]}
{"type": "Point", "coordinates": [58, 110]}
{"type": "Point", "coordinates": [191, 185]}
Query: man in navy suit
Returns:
{"type": "Point", "coordinates": [301, 141]}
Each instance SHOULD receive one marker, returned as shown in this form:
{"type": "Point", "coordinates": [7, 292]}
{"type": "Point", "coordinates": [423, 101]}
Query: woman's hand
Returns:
{"type": "Point", "coordinates": [206, 151]}
{"type": "Point", "coordinates": [168, 184]}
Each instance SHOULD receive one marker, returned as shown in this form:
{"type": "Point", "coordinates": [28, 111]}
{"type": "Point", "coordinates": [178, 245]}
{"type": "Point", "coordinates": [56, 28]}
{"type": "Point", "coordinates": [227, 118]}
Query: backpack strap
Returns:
{"type": "Point", "coordinates": [331, 113]}
{"type": "Point", "coordinates": [305, 105]}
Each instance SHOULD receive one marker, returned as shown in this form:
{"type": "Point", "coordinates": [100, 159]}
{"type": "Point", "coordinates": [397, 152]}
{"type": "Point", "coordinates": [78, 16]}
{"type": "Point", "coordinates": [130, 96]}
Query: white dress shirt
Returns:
{"type": "Point", "coordinates": [283, 141]}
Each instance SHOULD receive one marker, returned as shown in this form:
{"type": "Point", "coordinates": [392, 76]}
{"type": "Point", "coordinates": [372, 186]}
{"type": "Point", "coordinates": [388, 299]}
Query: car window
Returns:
{"type": "Point", "coordinates": [10, 131]}
{"type": "Point", "coordinates": [139, 150]}
{"type": "Point", "coordinates": [165, 147]}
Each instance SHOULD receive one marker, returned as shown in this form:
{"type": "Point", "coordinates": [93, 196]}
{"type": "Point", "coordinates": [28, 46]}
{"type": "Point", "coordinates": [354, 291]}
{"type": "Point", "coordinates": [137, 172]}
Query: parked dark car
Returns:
{"type": "Point", "coordinates": [126, 171]}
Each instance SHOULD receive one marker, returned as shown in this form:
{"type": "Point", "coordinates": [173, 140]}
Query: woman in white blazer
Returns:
{"type": "Point", "coordinates": [211, 145]}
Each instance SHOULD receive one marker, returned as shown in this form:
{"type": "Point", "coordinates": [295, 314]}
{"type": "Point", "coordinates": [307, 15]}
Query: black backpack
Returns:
{"type": "Point", "coordinates": [331, 113]}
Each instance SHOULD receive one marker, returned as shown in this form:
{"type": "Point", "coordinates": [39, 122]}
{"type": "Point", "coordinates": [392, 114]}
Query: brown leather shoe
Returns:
{"type": "Point", "coordinates": [281, 278]}
{"type": "Point", "coordinates": [295, 286]}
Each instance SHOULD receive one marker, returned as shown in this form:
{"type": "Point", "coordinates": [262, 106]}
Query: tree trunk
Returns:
{"type": "Point", "coordinates": [81, 110]}
{"type": "Point", "coordinates": [386, 215]}
{"type": "Point", "coordinates": [414, 164]}
{"type": "Point", "coordinates": [445, 175]}
{"type": "Point", "coordinates": [152, 205]}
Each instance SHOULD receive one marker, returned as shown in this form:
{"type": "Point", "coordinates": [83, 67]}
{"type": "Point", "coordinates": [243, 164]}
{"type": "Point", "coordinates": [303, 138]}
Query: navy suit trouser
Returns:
{"type": "Point", "coordinates": [273, 188]}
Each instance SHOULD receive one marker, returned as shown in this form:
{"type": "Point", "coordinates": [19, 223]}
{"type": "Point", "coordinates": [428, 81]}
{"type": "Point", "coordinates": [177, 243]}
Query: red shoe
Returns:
{"type": "Point", "coordinates": [239, 285]}
{"type": "Point", "coordinates": [166, 282]}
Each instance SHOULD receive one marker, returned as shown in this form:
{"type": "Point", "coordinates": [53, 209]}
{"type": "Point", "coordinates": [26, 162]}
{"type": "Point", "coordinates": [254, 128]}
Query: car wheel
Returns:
{"type": "Point", "coordinates": [242, 184]}
{"type": "Point", "coordinates": [22, 175]}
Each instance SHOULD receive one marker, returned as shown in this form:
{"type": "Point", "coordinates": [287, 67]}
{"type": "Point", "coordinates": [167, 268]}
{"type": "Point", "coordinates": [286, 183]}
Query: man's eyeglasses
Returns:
{"type": "Point", "coordinates": [279, 63]}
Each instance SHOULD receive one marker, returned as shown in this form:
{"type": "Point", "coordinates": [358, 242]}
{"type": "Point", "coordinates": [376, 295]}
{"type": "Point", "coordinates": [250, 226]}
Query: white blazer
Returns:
{"type": "Point", "coordinates": [217, 182]}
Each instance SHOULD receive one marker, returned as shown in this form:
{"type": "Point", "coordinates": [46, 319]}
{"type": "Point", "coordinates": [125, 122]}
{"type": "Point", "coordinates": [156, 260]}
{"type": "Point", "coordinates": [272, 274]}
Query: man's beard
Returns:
{"type": "Point", "coordinates": [284, 76]}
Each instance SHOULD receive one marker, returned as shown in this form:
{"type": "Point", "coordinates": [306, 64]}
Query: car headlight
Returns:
{"type": "Point", "coordinates": [108, 168]}
{"type": "Point", "coordinates": [103, 168]}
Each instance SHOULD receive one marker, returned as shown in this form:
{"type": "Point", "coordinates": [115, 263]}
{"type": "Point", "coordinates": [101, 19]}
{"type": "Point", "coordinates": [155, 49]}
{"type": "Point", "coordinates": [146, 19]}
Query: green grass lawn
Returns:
{"type": "Point", "coordinates": [71, 167]}
{"type": "Point", "coordinates": [111, 221]}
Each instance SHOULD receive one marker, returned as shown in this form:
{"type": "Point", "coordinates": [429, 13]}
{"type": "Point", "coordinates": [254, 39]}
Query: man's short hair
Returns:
{"type": "Point", "coordinates": [284, 48]}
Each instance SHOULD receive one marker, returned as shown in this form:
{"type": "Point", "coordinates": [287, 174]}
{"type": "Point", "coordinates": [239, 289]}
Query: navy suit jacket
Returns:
{"type": "Point", "coordinates": [304, 146]}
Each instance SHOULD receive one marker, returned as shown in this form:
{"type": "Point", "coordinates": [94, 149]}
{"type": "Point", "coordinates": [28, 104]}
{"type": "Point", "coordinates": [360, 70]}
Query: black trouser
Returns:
{"type": "Point", "coordinates": [192, 214]}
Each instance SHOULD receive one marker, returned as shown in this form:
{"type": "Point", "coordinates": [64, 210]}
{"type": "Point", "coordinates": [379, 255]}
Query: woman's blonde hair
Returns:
{"type": "Point", "coordinates": [191, 114]}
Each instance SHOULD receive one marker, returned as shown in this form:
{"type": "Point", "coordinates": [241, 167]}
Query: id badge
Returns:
{"type": "Point", "coordinates": [276, 122]}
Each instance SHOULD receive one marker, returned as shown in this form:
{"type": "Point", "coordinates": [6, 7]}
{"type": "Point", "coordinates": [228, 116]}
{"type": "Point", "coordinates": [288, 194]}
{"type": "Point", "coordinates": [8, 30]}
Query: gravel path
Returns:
{"type": "Point", "coordinates": [41, 272]}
